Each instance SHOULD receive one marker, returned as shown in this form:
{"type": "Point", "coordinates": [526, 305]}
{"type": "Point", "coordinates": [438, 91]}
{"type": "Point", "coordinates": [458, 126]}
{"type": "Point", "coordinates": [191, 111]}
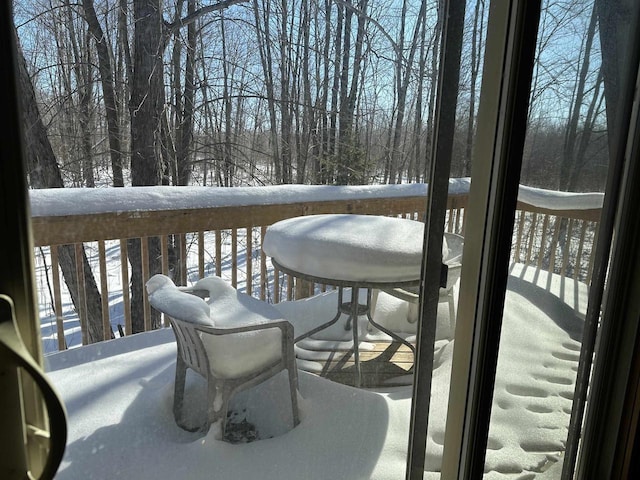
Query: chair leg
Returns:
{"type": "Point", "coordinates": [292, 371]}
{"type": "Point", "coordinates": [219, 397]}
{"type": "Point", "coordinates": [178, 390]}
{"type": "Point", "coordinates": [452, 314]}
{"type": "Point", "coordinates": [212, 399]}
{"type": "Point", "coordinates": [223, 416]}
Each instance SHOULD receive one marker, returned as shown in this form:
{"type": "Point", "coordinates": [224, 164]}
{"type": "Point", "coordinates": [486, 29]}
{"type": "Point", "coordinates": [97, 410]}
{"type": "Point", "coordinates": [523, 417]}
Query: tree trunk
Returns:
{"type": "Point", "coordinates": [435, 56]}
{"type": "Point", "coordinates": [331, 164]}
{"type": "Point", "coordinates": [570, 161]}
{"type": "Point", "coordinates": [285, 100]}
{"type": "Point", "coordinates": [43, 172]}
{"type": "Point", "coordinates": [349, 169]}
{"type": "Point", "coordinates": [146, 92]}
{"type": "Point", "coordinates": [476, 48]}
{"type": "Point", "coordinates": [264, 48]}
{"type": "Point", "coordinates": [403, 75]}
{"type": "Point", "coordinates": [308, 135]}
{"type": "Point", "coordinates": [184, 108]}
{"type": "Point", "coordinates": [614, 32]}
{"type": "Point", "coordinates": [146, 106]}
{"type": "Point", "coordinates": [323, 136]}
{"type": "Point", "coordinates": [227, 149]}
{"type": "Point", "coordinates": [108, 93]}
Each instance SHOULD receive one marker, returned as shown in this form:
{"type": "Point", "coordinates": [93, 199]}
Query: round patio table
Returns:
{"type": "Point", "coordinates": [349, 251]}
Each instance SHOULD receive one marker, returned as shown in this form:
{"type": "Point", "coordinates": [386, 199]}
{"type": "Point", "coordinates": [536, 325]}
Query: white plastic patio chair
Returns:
{"type": "Point", "coordinates": [233, 340]}
{"type": "Point", "coordinates": [452, 257]}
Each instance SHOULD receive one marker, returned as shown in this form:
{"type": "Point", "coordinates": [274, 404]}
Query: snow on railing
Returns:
{"type": "Point", "coordinates": [204, 231]}
{"type": "Point", "coordinates": [557, 231]}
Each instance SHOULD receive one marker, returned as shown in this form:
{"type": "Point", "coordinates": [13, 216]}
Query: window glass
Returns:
{"type": "Point", "coordinates": [566, 164]}
{"type": "Point", "coordinates": [166, 137]}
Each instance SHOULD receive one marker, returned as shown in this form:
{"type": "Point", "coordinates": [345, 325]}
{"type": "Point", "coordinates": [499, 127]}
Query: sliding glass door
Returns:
{"type": "Point", "coordinates": [548, 181]}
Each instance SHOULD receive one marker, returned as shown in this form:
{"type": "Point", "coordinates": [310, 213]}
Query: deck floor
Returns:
{"type": "Point", "coordinates": [385, 364]}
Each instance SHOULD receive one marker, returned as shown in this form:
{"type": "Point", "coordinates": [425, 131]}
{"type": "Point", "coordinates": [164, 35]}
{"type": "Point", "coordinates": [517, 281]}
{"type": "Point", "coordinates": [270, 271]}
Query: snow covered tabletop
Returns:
{"type": "Point", "coordinates": [348, 248]}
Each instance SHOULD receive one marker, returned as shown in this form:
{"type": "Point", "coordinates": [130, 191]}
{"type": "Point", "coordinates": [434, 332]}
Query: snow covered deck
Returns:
{"type": "Point", "coordinates": [119, 394]}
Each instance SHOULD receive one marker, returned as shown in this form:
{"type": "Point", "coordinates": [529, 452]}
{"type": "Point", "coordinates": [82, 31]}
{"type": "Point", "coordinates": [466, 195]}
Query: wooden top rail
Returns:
{"type": "Point", "coordinates": [67, 229]}
{"type": "Point", "coordinates": [208, 231]}
{"type": "Point", "coordinates": [592, 214]}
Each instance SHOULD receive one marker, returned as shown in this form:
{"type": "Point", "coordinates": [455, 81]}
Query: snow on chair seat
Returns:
{"type": "Point", "coordinates": [233, 340]}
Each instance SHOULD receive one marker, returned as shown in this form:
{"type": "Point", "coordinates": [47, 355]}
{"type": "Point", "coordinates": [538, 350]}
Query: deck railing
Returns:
{"type": "Point", "coordinates": [220, 231]}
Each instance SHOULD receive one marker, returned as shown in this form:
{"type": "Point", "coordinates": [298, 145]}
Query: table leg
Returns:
{"type": "Point", "coordinates": [394, 336]}
{"type": "Point", "coordinates": [355, 294]}
{"type": "Point", "coordinates": [355, 311]}
{"type": "Point", "coordinates": [358, 310]}
{"type": "Point", "coordinates": [324, 325]}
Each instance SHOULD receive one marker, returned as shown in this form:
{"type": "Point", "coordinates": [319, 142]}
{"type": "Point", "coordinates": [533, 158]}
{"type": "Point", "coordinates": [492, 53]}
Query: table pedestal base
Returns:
{"type": "Point", "coordinates": [355, 309]}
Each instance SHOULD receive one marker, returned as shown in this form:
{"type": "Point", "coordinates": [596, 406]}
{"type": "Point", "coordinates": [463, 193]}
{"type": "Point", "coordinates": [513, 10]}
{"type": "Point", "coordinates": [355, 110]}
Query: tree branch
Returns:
{"type": "Point", "coordinates": [192, 17]}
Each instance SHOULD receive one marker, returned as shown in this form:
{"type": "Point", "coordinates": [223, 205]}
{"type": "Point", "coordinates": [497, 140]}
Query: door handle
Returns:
{"type": "Point", "coordinates": [15, 355]}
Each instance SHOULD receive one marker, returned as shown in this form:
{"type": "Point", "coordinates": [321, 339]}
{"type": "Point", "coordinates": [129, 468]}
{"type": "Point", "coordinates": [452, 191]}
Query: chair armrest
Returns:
{"type": "Point", "coordinates": [402, 294]}
{"type": "Point", "coordinates": [283, 325]}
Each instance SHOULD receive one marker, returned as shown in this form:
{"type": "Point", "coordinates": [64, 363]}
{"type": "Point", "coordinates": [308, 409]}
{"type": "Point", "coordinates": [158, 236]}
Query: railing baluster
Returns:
{"type": "Point", "coordinates": [57, 298]}
{"type": "Point", "coordinates": [164, 253]}
{"type": "Point", "coordinates": [519, 235]}
{"type": "Point", "coordinates": [104, 291]}
{"type": "Point", "coordinates": [290, 285]}
{"type": "Point", "coordinates": [532, 231]}
{"type": "Point", "coordinates": [183, 258]}
{"type": "Point", "coordinates": [464, 221]}
{"type": "Point", "coordinates": [200, 254]}
{"type": "Point", "coordinates": [591, 256]}
{"type": "Point", "coordinates": [249, 268]}
{"type": "Point", "coordinates": [218, 253]}
{"type": "Point", "coordinates": [567, 248]}
{"type": "Point", "coordinates": [144, 254]}
{"type": "Point", "coordinates": [583, 232]}
{"type": "Point", "coordinates": [554, 244]}
{"type": "Point", "coordinates": [234, 257]}
{"type": "Point", "coordinates": [264, 281]}
{"type": "Point", "coordinates": [124, 278]}
{"type": "Point", "coordinates": [82, 293]}
{"type": "Point", "coordinates": [276, 285]}
{"type": "Point", "coordinates": [543, 240]}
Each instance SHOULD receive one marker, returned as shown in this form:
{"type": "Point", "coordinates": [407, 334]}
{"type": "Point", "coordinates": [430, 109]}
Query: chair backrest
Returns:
{"type": "Point", "coordinates": [209, 346]}
{"type": "Point", "coordinates": [190, 346]}
{"type": "Point", "coordinates": [231, 308]}
{"type": "Point", "coordinates": [453, 259]}
{"type": "Point", "coordinates": [186, 312]}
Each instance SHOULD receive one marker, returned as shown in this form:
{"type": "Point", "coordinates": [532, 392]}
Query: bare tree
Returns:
{"type": "Point", "coordinates": [349, 168]}
{"type": "Point", "coordinates": [263, 35]}
{"type": "Point", "coordinates": [185, 108]}
{"type": "Point", "coordinates": [614, 32]}
{"type": "Point", "coordinates": [477, 42]}
{"type": "Point", "coordinates": [147, 105]}
{"type": "Point", "coordinates": [578, 133]}
{"type": "Point", "coordinates": [43, 172]}
{"type": "Point", "coordinates": [404, 74]}
{"type": "Point", "coordinates": [108, 91]}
